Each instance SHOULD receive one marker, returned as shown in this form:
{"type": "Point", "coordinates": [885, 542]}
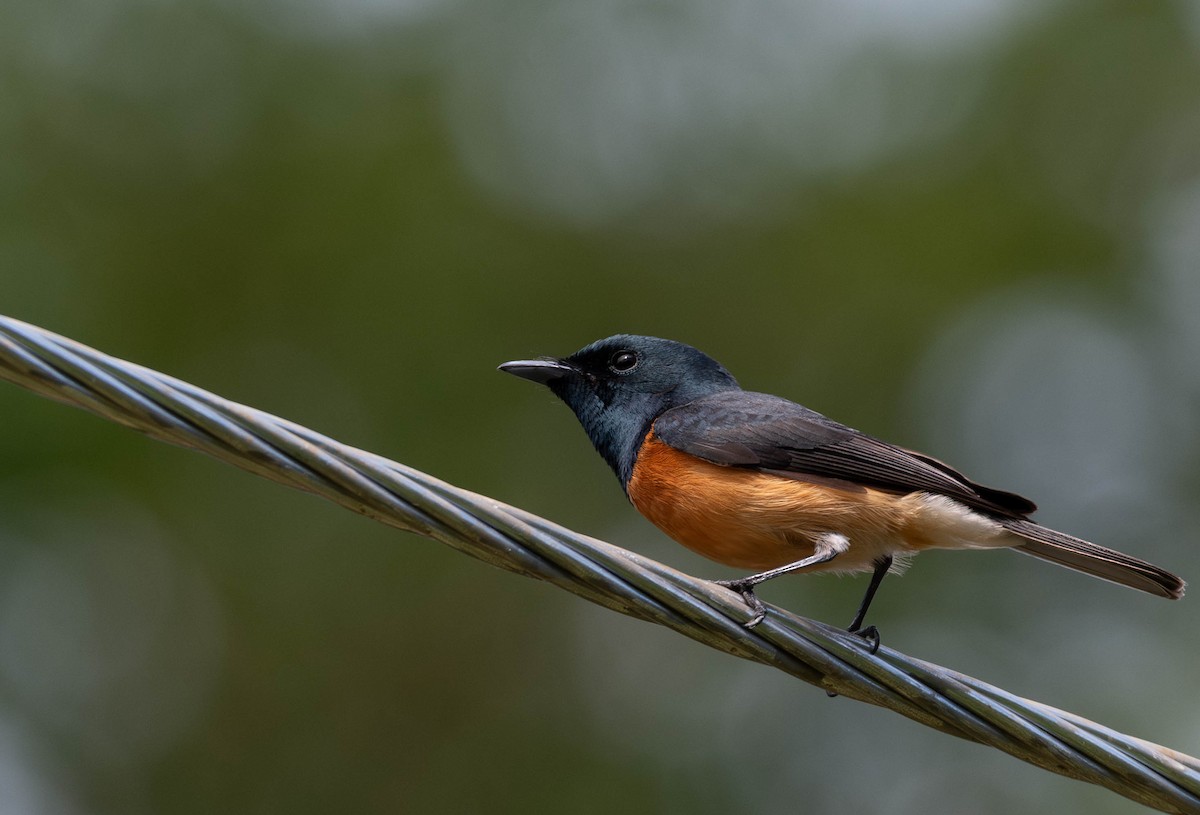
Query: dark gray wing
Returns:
{"type": "Point", "coordinates": [763, 432]}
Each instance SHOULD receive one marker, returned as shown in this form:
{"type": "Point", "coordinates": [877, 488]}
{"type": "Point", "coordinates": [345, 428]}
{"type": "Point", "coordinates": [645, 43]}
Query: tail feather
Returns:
{"type": "Point", "coordinates": [1107, 564]}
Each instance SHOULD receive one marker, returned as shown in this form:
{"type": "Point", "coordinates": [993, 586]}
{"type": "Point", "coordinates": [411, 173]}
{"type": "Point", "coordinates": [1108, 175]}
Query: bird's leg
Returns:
{"type": "Point", "coordinates": [870, 633]}
{"type": "Point", "coordinates": [828, 546]}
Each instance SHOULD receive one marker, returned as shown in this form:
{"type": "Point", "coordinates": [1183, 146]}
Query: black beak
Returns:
{"type": "Point", "coordinates": [544, 371]}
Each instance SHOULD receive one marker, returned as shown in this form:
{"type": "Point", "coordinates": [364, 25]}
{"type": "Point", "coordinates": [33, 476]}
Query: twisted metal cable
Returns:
{"type": "Point", "coordinates": [174, 411]}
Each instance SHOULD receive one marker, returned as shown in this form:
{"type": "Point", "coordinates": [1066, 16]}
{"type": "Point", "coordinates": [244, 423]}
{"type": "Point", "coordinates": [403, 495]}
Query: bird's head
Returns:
{"type": "Point", "coordinates": [618, 386]}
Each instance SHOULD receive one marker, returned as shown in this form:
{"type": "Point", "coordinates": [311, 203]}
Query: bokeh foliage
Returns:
{"type": "Point", "coordinates": [967, 227]}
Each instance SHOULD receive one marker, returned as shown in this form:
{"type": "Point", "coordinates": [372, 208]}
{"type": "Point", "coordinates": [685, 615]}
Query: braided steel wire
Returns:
{"type": "Point", "coordinates": [174, 411]}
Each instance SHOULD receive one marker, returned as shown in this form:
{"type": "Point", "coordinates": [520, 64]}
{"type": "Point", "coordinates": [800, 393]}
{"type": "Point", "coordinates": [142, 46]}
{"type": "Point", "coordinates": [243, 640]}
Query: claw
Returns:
{"type": "Point", "coordinates": [871, 635]}
{"type": "Point", "coordinates": [746, 589]}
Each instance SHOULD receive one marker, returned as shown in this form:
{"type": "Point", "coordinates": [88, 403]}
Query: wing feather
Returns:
{"type": "Point", "coordinates": [764, 432]}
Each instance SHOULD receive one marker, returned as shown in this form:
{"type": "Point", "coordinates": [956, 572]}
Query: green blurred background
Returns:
{"type": "Point", "coordinates": [970, 227]}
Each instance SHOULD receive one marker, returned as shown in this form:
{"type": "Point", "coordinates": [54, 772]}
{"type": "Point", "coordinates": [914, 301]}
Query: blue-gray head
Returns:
{"type": "Point", "coordinates": [618, 386]}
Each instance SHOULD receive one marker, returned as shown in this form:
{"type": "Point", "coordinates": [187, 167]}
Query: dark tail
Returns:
{"type": "Point", "coordinates": [1097, 561]}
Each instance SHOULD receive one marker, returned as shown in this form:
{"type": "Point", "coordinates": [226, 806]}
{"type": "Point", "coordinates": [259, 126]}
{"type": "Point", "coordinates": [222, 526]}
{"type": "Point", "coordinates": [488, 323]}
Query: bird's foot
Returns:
{"type": "Point", "coordinates": [871, 635]}
{"type": "Point", "coordinates": [746, 589]}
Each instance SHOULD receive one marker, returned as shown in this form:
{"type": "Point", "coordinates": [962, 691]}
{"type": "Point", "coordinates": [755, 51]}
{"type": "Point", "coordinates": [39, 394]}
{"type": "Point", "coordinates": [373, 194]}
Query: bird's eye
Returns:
{"type": "Point", "coordinates": [623, 362]}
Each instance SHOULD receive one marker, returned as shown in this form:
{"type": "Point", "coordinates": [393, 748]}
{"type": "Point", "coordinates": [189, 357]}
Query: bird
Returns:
{"type": "Point", "coordinates": [758, 482]}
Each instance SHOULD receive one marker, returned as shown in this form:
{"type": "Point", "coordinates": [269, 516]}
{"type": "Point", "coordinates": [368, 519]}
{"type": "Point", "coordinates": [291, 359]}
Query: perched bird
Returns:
{"type": "Point", "coordinates": [757, 482]}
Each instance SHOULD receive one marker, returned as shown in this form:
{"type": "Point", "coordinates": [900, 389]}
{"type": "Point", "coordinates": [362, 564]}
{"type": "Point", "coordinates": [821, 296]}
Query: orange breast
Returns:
{"type": "Point", "coordinates": [755, 520]}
